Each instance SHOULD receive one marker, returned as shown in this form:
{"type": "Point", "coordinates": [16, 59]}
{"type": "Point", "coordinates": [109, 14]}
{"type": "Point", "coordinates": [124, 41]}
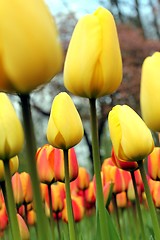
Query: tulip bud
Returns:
{"type": "Point", "coordinates": [154, 164]}
{"type": "Point", "coordinates": [121, 199]}
{"type": "Point", "coordinates": [11, 131]}
{"type": "Point", "coordinates": [93, 65]}
{"type": "Point", "coordinates": [124, 137]}
{"type": "Point", "coordinates": [128, 166]}
{"type": "Point", "coordinates": [32, 55]}
{"type": "Point", "coordinates": [45, 164]}
{"type": "Point", "coordinates": [83, 178]}
{"type": "Point", "coordinates": [118, 177]}
{"type": "Point", "coordinates": [17, 189]}
{"type": "Point", "coordinates": [59, 165]}
{"type": "Point", "coordinates": [13, 165]}
{"type": "Point", "coordinates": [78, 209]}
{"type": "Point", "coordinates": [58, 195]}
{"type": "Point", "coordinates": [3, 214]}
{"type": "Point", "coordinates": [89, 193]}
{"type": "Point", "coordinates": [149, 91]}
{"type": "Point", "coordinates": [31, 217]}
{"type": "Point", "coordinates": [24, 232]}
{"type": "Point", "coordinates": [65, 128]}
{"type": "Point", "coordinates": [26, 187]}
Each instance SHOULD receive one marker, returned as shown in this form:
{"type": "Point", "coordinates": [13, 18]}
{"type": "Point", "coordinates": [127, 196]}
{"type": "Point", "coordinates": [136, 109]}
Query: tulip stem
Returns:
{"type": "Point", "coordinates": [42, 227]}
{"type": "Point", "coordinates": [51, 210]}
{"type": "Point", "coordinates": [117, 214]}
{"type": "Point", "coordinates": [150, 201]}
{"type": "Point", "coordinates": [138, 207]}
{"type": "Point", "coordinates": [11, 207]}
{"type": "Point", "coordinates": [97, 169]}
{"type": "Point", "coordinates": [71, 223]}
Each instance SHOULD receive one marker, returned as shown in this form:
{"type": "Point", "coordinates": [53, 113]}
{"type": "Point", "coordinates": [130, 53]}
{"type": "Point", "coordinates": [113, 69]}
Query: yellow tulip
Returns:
{"type": "Point", "coordinates": [30, 50]}
{"type": "Point", "coordinates": [93, 65]}
{"type": "Point", "coordinates": [13, 165]}
{"type": "Point", "coordinates": [65, 128]}
{"type": "Point", "coordinates": [150, 91]}
{"type": "Point", "coordinates": [11, 132]}
{"type": "Point", "coordinates": [131, 138]}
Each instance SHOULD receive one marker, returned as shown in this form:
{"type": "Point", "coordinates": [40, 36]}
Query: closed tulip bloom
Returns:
{"type": "Point", "coordinates": [13, 165]}
{"type": "Point", "coordinates": [65, 128]}
{"type": "Point", "coordinates": [31, 217]}
{"type": "Point", "coordinates": [31, 53]}
{"type": "Point", "coordinates": [89, 193]}
{"type": "Point", "coordinates": [118, 177]}
{"type": "Point", "coordinates": [131, 138]}
{"type": "Point", "coordinates": [11, 131]}
{"type": "Point", "coordinates": [78, 209]}
{"type": "Point", "coordinates": [128, 166]}
{"type": "Point", "coordinates": [93, 65]}
{"type": "Point", "coordinates": [45, 163]}
{"type": "Point", "coordinates": [59, 165]}
{"type": "Point", "coordinates": [83, 178]}
{"type": "Point", "coordinates": [24, 231]}
{"type": "Point", "coordinates": [154, 164]}
{"type": "Point", "coordinates": [149, 91]}
{"type": "Point", "coordinates": [121, 199]}
{"type": "Point", "coordinates": [58, 196]}
{"type": "Point", "coordinates": [27, 187]}
{"type": "Point", "coordinates": [17, 189]}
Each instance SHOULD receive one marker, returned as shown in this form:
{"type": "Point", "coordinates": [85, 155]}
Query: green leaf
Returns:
{"type": "Point", "coordinates": [110, 227]}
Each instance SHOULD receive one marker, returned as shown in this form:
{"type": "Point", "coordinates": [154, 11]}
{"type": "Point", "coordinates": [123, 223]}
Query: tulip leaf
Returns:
{"type": "Point", "coordinates": [110, 227]}
{"type": "Point", "coordinates": [110, 194]}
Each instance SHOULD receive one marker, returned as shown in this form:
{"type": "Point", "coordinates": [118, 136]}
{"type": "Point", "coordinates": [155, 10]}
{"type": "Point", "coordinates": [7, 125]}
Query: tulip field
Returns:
{"type": "Point", "coordinates": [53, 197]}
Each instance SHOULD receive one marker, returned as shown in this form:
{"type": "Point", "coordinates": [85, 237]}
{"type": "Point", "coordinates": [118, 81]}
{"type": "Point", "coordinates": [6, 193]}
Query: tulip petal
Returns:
{"type": "Point", "coordinates": [149, 91]}
{"type": "Point", "coordinates": [29, 44]}
{"type": "Point", "coordinates": [64, 127]}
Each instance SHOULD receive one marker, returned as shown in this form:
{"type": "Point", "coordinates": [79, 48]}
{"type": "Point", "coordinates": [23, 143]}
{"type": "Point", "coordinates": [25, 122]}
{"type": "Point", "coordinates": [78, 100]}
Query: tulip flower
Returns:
{"type": "Point", "coordinates": [45, 163]}
{"type": "Point", "coordinates": [118, 177]}
{"type": "Point", "coordinates": [31, 217]}
{"type": "Point", "coordinates": [128, 166]}
{"type": "Point", "coordinates": [149, 91]}
{"type": "Point", "coordinates": [121, 199]}
{"type": "Point", "coordinates": [11, 131]}
{"type": "Point", "coordinates": [26, 187]}
{"type": "Point", "coordinates": [64, 127]}
{"type": "Point", "coordinates": [59, 165]}
{"type": "Point", "coordinates": [58, 195]}
{"type": "Point", "coordinates": [93, 65]}
{"type": "Point", "coordinates": [31, 53]}
{"type": "Point", "coordinates": [3, 214]}
{"type": "Point", "coordinates": [83, 179]}
{"type": "Point", "coordinates": [13, 165]}
{"type": "Point", "coordinates": [122, 124]}
{"type": "Point", "coordinates": [78, 209]}
{"type": "Point", "coordinates": [17, 189]}
{"type": "Point", "coordinates": [24, 231]}
{"type": "Point", "coordinates": [89, 194]}
{"type": "Point", "coordinates": [154, 164]}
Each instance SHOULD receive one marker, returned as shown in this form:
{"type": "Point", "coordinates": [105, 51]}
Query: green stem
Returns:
{"type": "Point", "coordinates": [12, 213]}
{"type": "Point", "coordinates": [138, 205]}
{"type": "Point", "coordinates": [58, 227]}
{"type": "Point", "coordinates": [97, 169]}
{"type": "Point", "coordinates": [42, 227]}
{"type": "Point", "coordinates": [71, 223]}
{"type": "Point", "coordinates": [117, 214]}
{"type": "Point", "coordinates": [51, 211]}
{"type": "Point", "coordinates": [150, 201]}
